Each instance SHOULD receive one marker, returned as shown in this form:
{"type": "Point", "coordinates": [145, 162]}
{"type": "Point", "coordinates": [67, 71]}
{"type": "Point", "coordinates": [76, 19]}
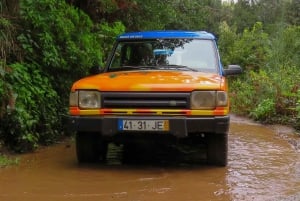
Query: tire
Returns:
{"type": "Point", "coordinates": [90, 147]}
{"type": "Point", "coordinates": [217, 149]}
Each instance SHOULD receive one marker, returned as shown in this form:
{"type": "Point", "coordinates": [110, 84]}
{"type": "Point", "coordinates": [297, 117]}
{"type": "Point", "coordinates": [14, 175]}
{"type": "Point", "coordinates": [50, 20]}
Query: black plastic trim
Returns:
{"type": "Point", "coordinates": [179, 126]}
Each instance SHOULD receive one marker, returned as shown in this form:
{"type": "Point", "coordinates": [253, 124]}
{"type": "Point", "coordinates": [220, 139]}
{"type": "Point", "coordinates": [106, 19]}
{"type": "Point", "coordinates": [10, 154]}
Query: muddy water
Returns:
{"type": "Point", "coordinates": [262, 166]}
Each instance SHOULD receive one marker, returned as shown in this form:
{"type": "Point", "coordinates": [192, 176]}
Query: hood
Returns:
{"type": "Point", "coordinates": [151, 81]}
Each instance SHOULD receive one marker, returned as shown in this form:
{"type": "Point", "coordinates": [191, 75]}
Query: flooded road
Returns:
{"type": "Point", "coordinates": [261, 166]}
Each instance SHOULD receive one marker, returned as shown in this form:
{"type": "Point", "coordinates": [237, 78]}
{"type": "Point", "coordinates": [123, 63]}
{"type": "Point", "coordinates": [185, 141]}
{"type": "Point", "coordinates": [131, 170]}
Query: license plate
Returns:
{"type": "Point", "coordinates": [143, 125]}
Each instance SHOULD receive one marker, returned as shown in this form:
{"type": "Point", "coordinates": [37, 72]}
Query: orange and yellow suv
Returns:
{"type": "Point", "coordinates": [156, 85]}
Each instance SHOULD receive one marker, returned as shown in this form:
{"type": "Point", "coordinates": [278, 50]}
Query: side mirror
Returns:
{"type": "Point", "coordinates": [233, 70]}
{"type": "Point", "coordinates": [94, 70]}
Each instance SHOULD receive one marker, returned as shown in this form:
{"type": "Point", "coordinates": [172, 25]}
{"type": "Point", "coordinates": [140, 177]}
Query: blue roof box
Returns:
{"type": "Point", "coordinates": [165, 34]}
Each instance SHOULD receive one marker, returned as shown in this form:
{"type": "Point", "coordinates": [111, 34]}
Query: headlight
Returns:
{"type": "Point", "coordinates": [89, 99]}
{"type": "Point", "coordinates": [203, 100]}
{"type": "Point", "coordinates": [208, 99]}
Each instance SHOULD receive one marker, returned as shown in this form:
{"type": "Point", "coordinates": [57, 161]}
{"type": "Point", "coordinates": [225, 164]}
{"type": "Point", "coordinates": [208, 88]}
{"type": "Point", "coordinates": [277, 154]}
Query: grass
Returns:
{"type": "Point", "coordinates": [6, 161]}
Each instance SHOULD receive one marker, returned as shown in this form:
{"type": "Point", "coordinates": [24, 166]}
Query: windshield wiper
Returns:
{"type": "Point", "coordinates": [181, 67]}
{"type": "Point", "coordinates": [170, 66]}
{"type": "Point", "coordinates": [138, 67]}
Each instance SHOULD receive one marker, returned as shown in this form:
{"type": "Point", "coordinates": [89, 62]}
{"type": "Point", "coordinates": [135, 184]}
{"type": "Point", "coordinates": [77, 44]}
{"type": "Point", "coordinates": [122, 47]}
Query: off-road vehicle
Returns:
{"type": "Point", "coordinates": [156, 85]}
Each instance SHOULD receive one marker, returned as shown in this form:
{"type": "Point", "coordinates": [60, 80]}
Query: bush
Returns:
{"type": "Point", "coordinates": [248, 92]}
{"type": "Point", "coordinates": [60, 39]}
{"type": "Point", "coordinates": [63, 41]}
{"type": "Point", "coordinates": [264, 111]}
{"type": "Point", "coordinates": [284, 48]}
{"type": "Point", "coordinates": [241, 97]}
{"type": "Point", "coordinates": [59, 44]}
{"type": "Point", "coordinates": [34, 118]}
{"type": "Point", "coordinates": [267, 96]}
{"type": "Point", "coordinates": [298, 104]}
{"type": "Point", "coordinates": [268, 89]}
{"type": "Point", "coordinates": [248, 50]}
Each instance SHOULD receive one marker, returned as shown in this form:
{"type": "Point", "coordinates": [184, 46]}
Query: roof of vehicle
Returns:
{"type": "Point", "coordinates": [165, 34]}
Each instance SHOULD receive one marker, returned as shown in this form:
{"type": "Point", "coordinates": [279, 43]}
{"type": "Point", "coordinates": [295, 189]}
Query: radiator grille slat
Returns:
{"type": "Point", "coordinates": [146, 100]}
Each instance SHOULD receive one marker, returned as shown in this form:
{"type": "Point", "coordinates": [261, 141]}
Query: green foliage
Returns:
{"type": "Point", "coordinates": [286, 83]}
{"type": "Point", "coordinates": [284, 47]}
{"type": "Point", "coordinates": [63, 41]}
{"type": "Point", "coordinates": [297, 119]}
{"type": "Point", "coordinates": [107, 35]}
{"type": "Point", "coordinates": [156, 14]}
{"type": "Point", "coordinates": [241, 97]}
{"type": "Point", "coordinates": [267, 95]}
{"type": "Point", "coordinates": [6, 161]}
{"type": "Point", "coordinates": [193, 15]}
{"type": "Point", "coordinates": [270, 11]}
{"type": "Point", "coordinates": [244, 15]}
{"type": "Point", "coordinates": [249, 50]}
{"type": "Point", "coordinates": [249, 92]}
{"type": "Point", "coordinates": [263, 86]}
{"type": "Point", "coordinates": [292, 12]}
{"type": "Point", "coordinates": [58, 43]}
{"type": "Point", "coordinates": [268, 89]}
{"type": "Point", "coordinates": [264, 111]}
{"type": "Point", "coordinates": [298, 104]}
{"type": "Point", "coordinates": [8, 52]}
{"type": "Point", "coordinates": [32, 120]}
{"type": "Point", "coordinates": [59, 38]}
{"type": "Point", "coordinates": [282, 64]}
{"type": "Point", "coordinates": [146, 15]}
{"type": "Point", "coordinates": [226, 42]}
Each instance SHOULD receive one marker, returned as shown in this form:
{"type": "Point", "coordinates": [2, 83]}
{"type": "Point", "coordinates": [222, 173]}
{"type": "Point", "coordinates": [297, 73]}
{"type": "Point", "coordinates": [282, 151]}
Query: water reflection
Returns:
{"type": "Point", "coordinates": [261, 166]}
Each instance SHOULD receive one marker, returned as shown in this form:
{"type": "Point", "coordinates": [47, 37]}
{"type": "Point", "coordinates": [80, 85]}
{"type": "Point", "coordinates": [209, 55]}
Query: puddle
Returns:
{"type": "Point", "coordinates": [262, 166]}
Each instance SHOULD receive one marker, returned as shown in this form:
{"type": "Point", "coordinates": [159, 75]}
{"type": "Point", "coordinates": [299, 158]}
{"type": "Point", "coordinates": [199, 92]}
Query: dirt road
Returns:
{"type": "Point", "coordinates": [262, 166]}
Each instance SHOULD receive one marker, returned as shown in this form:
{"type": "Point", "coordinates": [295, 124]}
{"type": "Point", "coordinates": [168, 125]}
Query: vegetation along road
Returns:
{"type": "Point", "coordinates": [46, 45]}
{"type": "Point", "coordinates": [263, 165]}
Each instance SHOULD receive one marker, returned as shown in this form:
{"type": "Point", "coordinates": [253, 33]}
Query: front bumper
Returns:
{"type": "Point", "coordinates": [179, 127]}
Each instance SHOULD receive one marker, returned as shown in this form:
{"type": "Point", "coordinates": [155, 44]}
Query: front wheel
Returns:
{"type": "Point", "coordinates": [217, 149]}
{"type": "Point", "coordinates": [90, 147]}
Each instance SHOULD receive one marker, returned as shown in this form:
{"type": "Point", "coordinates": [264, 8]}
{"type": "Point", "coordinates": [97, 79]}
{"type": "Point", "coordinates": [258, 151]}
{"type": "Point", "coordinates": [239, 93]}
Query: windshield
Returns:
{"type": "Point", "coordinates": [182, 54]}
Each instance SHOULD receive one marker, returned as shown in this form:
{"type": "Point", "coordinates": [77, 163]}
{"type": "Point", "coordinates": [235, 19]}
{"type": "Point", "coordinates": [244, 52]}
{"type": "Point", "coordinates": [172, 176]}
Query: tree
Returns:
{"type": "Point", "coordinates": [9, 7]}
{"type": "Point", "coordinates": [293, 12]}
{"type": "Point", "coordinates": [243, 15]}
{"type": "Point", "coordinates": [155, 14]}
{"type": "Point", "coordinates": [59, 44]}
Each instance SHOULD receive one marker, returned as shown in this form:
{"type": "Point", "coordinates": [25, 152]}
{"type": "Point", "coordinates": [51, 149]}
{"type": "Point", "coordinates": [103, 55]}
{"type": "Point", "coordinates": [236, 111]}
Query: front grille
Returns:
{"type": "Point", "coordinates": [146, 100]}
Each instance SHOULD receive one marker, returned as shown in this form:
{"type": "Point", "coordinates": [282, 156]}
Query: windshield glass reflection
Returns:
{"type": "Point", "coordinates": [181, 54]}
